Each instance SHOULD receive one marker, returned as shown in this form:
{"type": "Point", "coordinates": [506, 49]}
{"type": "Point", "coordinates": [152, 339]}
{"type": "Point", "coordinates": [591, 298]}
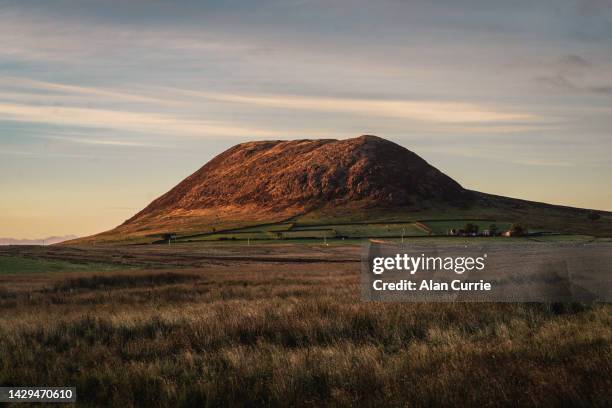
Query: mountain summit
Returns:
{"type": "Point", "coordinates": [271, 181]}
{"type": "Point", "coordinates": [279, 179]}
{"type": "Point", "coordinates": [305, 174]}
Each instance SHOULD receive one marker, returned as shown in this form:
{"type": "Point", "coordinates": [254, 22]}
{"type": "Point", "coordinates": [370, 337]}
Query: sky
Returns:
{"type": "Point", "coordinates": [105, 105]}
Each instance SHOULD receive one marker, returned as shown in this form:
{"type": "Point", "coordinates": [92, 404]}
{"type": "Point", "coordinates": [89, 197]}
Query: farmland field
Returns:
{"type": "Point", "coordinates": [371, 230]}
{"type": "Point", "coordinates": [441, 227]}
{"type": "Point", "coordinates": [313, 231]}
{"type": "Point", "coordinates": [21, 265]}
{"type": "Point", "coordinates": [213, 324]}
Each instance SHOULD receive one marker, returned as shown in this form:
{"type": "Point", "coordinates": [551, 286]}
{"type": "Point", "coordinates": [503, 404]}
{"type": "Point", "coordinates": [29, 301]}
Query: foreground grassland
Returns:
{"type": "Point", "coordinates": [284, 326]}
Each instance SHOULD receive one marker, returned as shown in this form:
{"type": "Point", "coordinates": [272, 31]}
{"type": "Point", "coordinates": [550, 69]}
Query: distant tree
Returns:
{"type": "Point", "coordinates": [593, 216]}
{"type": "Point", "coordinates": [493, 229]}
{"type": "Point", "coordinates": [471, 228]}
{"type": "Point", "coordinates": [214, 229]}
{"type": "Point", "coordinates": [518, 230]}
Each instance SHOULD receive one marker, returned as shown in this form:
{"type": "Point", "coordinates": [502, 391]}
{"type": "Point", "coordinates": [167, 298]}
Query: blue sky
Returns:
{"type": "Point", "coordinates": [105, 105]}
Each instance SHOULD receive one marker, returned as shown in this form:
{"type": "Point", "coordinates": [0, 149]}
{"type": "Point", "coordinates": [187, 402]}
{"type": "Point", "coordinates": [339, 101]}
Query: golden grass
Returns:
{"type": "Point", "coordinates": [279, 334]}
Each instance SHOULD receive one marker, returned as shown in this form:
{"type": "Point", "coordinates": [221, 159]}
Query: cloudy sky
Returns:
{"type": "Point", "coordinates": [105, 105]}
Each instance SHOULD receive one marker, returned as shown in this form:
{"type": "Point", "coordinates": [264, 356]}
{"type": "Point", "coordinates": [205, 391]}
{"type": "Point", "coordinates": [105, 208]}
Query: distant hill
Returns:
{"type": "Point", "coordinates": [42, 241]}
{"type": "Point", "coordinates": [365, 177]}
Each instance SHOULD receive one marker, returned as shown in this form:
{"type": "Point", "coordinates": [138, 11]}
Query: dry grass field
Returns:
{"type": "Point", "coordinates": [212, 326]}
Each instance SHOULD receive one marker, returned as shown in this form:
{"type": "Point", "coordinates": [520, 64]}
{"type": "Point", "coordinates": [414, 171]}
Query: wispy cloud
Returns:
{"type": "Point", "coordinates": [36, 87]}
{"type": "Point", "coordinates": [39, 37]}
{"type": "Point", "coordinates": [420, 110]}
{"type": "Point", "coordinates": [28, 90]}
{"type": "Point", "coordinates": [125, 120]}
{"type": "Point", "coordinates": [103, 142]}
{"type": "Point", "coordinates": [173, 112]}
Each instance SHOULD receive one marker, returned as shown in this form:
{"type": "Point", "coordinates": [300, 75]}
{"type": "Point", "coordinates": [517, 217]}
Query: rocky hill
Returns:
{"type": "Point", "coordinates": [270, 181]}
{"type": "Point", "coordinates": [304, 174]}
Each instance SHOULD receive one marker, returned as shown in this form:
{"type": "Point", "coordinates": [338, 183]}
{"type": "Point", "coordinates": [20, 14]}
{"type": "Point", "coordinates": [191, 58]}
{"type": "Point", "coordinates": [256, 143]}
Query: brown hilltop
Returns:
{"type": "Point", "coordinates": [270, 181]}
{"type": "Point", "coordinates": [285, 177]}
{"type": "Point", "coordinates": [275, 180]}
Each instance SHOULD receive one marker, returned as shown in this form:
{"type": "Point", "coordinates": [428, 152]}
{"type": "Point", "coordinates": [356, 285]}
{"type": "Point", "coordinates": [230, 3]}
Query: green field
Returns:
{"type": "Point", "coordinates": [356, 230]}
{"type": "Point", "coordinates": [329, 231]}
{"type": "Point", "coordinates": [230, 236]}
{"type": "Point", "coordinates": [282, 226]}
{"type": "Point", "coordinates": [16, 264]}
{"type": "Point", "coordinates": [370, 230]}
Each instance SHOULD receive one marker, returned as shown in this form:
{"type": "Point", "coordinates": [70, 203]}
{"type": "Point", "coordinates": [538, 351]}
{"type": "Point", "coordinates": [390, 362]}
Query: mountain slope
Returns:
{"type": "Point", "coordinates": [270, 181]}
{"type": "Point", "coordinates": [299, 175]}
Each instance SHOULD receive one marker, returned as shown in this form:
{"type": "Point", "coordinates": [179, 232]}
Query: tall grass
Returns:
{"type": "Point", "coordinates": [285, 335]}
